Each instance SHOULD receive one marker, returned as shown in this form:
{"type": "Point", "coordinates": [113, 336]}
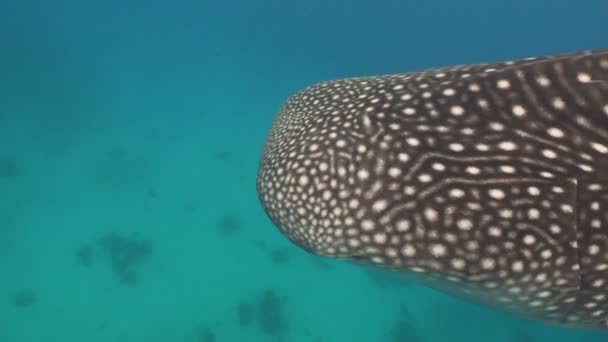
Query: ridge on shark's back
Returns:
{"type": "Point", "coordinates": [488, 181]}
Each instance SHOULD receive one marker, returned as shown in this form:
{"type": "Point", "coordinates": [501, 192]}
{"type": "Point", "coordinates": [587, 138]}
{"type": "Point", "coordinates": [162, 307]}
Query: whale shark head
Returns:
{"type": "Point", "coordinates": [488, 181]}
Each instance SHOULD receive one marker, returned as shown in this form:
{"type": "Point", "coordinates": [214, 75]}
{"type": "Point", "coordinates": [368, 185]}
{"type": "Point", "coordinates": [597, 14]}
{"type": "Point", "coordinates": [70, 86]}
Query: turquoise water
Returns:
{"type": "Point", "coordinates": [130, 133]}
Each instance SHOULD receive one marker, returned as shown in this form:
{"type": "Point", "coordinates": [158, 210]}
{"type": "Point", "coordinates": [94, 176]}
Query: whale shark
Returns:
{"type": "Point", "coordinates": [486, 181]}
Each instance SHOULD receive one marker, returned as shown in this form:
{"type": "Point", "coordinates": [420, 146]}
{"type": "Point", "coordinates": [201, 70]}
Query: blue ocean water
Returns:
{"type": "Point", "coordinates": [130, 136]}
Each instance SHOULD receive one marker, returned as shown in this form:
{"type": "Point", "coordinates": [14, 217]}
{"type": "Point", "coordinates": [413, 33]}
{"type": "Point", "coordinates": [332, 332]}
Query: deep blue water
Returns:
{"type": "Point", "coordinates": [130, 135]}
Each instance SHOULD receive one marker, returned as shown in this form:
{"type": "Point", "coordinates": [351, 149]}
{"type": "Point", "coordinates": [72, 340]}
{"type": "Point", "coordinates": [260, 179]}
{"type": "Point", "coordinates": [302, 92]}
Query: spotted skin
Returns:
{"type": "Point", "coordinates": [487, 181]}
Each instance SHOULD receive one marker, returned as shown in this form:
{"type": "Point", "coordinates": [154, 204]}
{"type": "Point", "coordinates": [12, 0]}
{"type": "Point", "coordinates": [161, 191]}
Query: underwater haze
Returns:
{"type": "Point", "coordinates": [130, 138]}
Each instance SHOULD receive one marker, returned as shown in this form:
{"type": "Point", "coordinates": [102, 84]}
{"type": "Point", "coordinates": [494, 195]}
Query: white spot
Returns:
{"type": "Point", "coordinates": [495, 231]}
{"type": "Point", "coordinates": [354, 242]}
{"type": "Point", "coordinates": [409, 111]}
{"type": "Point", "coordinates": [555, 132]}
{"type": "Point", "coordinates": [519, 110]}
{"type": "Point", "coordinates": [458, 264]}
{"type": "Point", "coordinates": [488, 263]}
{"type": "Point", "coordinates": [380, 238]}
{"type": "Point", "coordinates": [403, 157]}
{"type": "Point", "coordinates": [424, 178]}
{"type": "Point", "coordinates": [541, 278]}
{"type": "Point", "coordinates": [558, 103]}
{"type": "Point", "coordinates": [449, 237]}
{"type": "Point", "coordinates": [549, 154]}
{"type": "Point", "coordinates": [377, 259]}
{"type": "Point", "coordinates": [590, 305]}
{"type": "Point", "coordinates": [567, 208]}
{"type": "Point", "coordinates": [601, 267]}
{"type": "Point", "coordinates": [363, 174]}
{"type": "Point", "coordinates": [482, 147]}
{"type": "Point", "coordinates": [594, 249]}
{"type": "Point", "coordinates": [517, 266]}
{"type": "Point", "coordinates": [507, 146]}
{"type": "Point", "coordinates": [583, 77]}
{"type": "Point", "coordinates": [497, 126]}
{"type": "Point", "coordinates": [449, 92]}
{"type": "Point", "coordinates": [379, 205]}
{"type": "Point", "coordinates": [543, 81]}
{"type": "Point", "coordinates": [497, 194]}
{"type": "Point", "coordinates": [403, 225]}
{"type": "Point", "coordinates": [457, 193]}
{"type": "Point", "coordinates": [456, 147]}
{"type": "Point", "coordinates": [547, 174]}
{"type": "Point", "coordinates": [503, 84]}
{"type": "Point", "coordinates": [431, 214]}
{"type": "Point", "coordinates": [394, 172]}
{"type": "Point", "coordinates": [413, 141]}
{"type": "Point", "coordinates": [303, 180]}
{"type": "Point", "coordinates": [507, 169]}
{"type": "Point", "coordinates": [409, 190]}
{"type": "Point", "coordinates": [599, 147]}
{"type": "Point", "coordinates": [473, 170]}
{"type": "Point", "coordinates": [529, 239]}
{"type": "Point", "coordinates": [464, 224]}
{"type": "Point", "coordinates": [515, 290]}
{"type": "Point", "coordinates": [474, 87]}
{"type": "Point", "coordinates": [533, 214]}
{"type": "Point", "coordinates": [438, 250]}
{"type": "Point", "coordinates": [391, 253]}
{"type": "Point", "coordinates": [368, 225]}
{"type": "Point", "coordinates": [506, 213]}
{"type": "Point", "coordinates": [457, 110]}
{"type": "Point", "coordinates": [408, 250]}
{"type": "Point", "coordinates": [438, 167]}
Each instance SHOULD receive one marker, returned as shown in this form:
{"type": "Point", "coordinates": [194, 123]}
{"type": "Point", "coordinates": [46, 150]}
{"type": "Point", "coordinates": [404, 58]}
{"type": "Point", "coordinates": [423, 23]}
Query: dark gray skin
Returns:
{"type": "Point", "coordinates": [487, 181]}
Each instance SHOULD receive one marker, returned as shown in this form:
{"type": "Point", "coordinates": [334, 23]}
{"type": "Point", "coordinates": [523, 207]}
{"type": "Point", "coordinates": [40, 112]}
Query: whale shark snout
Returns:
{"type": "Point", "coordinates": [487, 181]}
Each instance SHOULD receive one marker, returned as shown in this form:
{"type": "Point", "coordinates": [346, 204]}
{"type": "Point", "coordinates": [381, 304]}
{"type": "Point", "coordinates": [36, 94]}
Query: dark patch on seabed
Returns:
{"type": "Point", "coordinates": [205, 334]}
{"type": "Point", "coordinates": [10, 167]}
{"type": "Point", "coordinates": [269, 313]}
{"type": "Point", "coordinates": [281, 255]}
{"type": "Point", "coordinates": [229, 225]}
{"type": "Point", "coordinates": [272, 318]}
{"type": "Point", "coordinates": [84, 255]}
{"type": "Point", "coordinates": [244, 313]}
{"type": "Point", "coordinates": [404, 328]}
{"type": "Point", "coordinates": [24, 298]}
{"type": "Point", "coordinates": [125, 255]}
